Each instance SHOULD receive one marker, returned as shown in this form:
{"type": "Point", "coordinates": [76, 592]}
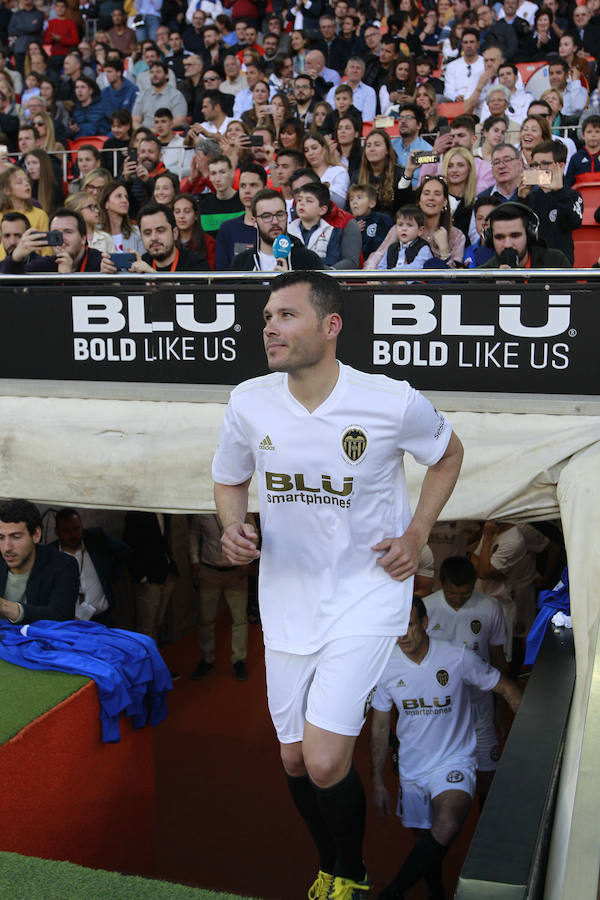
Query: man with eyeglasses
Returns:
{"type": "Point", "coordinates": [506, 170]}
{"type": "Point", "coordinates": [462, 74]}
{"type": "Point", "coordinates": [410, 121]}
{"type": "Point", "coordinates": [270, 214]}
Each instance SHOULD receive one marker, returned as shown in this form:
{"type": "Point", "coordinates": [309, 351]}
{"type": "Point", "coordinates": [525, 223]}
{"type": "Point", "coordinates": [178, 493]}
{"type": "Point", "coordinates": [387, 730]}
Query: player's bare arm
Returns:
{"type": "Point", "coordinates": [401, 558]}
{"type": "Point", "coordinates": [380, 730]}
{"type": "Point", "coordinates": [239, 540]}
{"type": "Point", "coordinates": [483, 560]}
{"type": "Point", "coordinates": [510, 691]}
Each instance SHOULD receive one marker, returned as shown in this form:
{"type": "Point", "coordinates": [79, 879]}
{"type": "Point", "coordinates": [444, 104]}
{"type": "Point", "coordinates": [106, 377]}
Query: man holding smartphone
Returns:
{"type": "Point", "coordinates": [542, 189]}
{"type": "Point", "coordinates": [67, 238]}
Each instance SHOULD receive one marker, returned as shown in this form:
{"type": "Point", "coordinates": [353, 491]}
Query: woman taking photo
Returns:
{"type": "Point", "coordinates": [446, 242]}
{"type": "Point", "coordinates": [89, 208]}
{"type": "Point", "coordinates": [281, 109]}
{"type": "Point", "coordinates": [458, 168]}
{"type": "Point", "coordinates": [379, 167]}
{"type": "Point", "coordinates": [166, 188]}
{"type": "Point", "coordinates": [114, 212]}
{"type": "Point", "coordinates": [260, 99]}
{"type": "Point", "coordinates": [426, 98]}
{"type": "Point", "coordinates": [45, 188]}
{"type": "Point", "coordinates": [319, 159]}
{"type": "Point", "coordinates": [493, 132]}
{"type": "Point", "coordinates": [534, 130]}
{"type": "Point", "coordinates": [399, 85]}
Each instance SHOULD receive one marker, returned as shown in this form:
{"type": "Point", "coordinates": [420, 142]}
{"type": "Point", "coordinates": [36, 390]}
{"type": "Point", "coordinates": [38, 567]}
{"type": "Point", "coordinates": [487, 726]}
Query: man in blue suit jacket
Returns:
{"type": "Point", "coordinates": [36, 582]}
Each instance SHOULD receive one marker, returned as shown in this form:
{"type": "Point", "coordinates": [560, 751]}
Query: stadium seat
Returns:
{"type": "Point", "coordinates": [367, 126]}
{"type": "Point", "coordinates": [586, 242]}
{"type": "Point", "coordinates": [590, 192]}
{"type": "Point", "coordinates": [96, 140]}
{"type": "Point", "coordinates": [527, 69]}
{"type": "Point", "coordinates": [451, 110]}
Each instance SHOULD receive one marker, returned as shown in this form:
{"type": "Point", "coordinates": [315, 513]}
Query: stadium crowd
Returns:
{"type": "Point", "coordinates": [379, 134]}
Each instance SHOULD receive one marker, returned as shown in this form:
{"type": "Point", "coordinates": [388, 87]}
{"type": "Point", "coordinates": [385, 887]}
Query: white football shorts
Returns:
{"type": "Point", "coordinates": [414, 797]}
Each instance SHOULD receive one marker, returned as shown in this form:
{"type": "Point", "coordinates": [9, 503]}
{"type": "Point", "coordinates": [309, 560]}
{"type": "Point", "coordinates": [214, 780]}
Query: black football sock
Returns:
{"type": "Point", "coordinates": [343, 807]}
{"type": "Point", "coordinates": [424, 861]}
{"type": "Point", "coordinates": [304, 796]}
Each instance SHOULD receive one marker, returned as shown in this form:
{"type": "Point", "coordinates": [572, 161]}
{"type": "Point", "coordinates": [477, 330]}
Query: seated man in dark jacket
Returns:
{"type": "Point", "coordinates": [72, 255]}
{"type": "Point", "coordinates": [270, 213]}
{"type": "Point", "coordinates": [513, 232]}
{"type": "Point", "coordinates": [36, 582]}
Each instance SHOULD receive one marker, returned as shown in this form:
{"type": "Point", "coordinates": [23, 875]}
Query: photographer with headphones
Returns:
{"type": "Point", "coordinates": [513, 236]}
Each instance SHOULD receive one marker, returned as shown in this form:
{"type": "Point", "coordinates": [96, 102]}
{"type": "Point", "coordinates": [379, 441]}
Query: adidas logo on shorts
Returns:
{"type": "Point", "coordinates": [266, 443]}
{"type": "Point", "coordinates": [400, 684]}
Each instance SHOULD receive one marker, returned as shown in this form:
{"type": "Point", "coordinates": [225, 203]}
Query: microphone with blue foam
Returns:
{"type": "Point", "coordinates": [281, 251]}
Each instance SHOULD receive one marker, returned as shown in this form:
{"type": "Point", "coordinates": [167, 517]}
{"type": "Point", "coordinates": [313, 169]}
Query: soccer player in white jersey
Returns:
{"type": "Point", "coordinates": [429, 682]}
{"type": "Point", "coordinates": [339, 547]}
{"type": "Point", "coordinates": [460, 613]}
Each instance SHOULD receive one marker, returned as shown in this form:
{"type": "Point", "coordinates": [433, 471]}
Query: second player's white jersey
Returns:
{"type": "Point", "coordinates": [331, 485]}
{"type": "Point", "coordinates": [434, 707]}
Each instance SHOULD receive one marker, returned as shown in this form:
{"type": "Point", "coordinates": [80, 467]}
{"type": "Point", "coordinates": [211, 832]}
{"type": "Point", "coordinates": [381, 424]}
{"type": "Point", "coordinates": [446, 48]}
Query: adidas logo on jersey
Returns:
{"type": "Point", "coordinates": [266, 443]}
{"type": "Point", "coordinates": [400, 684]}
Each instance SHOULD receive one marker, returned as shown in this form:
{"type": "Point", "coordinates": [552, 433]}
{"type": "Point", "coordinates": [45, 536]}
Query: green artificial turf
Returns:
{"type": "Point", "coordinates": [28, 878]}
{"type": "Point", "coordinates": [27, 694]}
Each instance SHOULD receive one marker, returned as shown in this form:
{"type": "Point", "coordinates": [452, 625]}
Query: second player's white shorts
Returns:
{"type": "Point", "coordinates": [414, 797]}
{"type": "Point", "coordinates": [331, 688]}
{"type": "Point", "coordinates": [487, 751]}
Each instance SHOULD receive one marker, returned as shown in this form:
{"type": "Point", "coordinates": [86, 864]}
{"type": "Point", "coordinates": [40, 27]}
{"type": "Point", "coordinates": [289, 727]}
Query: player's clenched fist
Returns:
{"type": "Point", "coordinates": [239, 543]}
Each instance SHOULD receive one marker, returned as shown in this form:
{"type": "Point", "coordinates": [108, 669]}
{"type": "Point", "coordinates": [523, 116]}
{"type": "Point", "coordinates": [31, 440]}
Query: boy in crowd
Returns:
{"type": "Point", "coordinates": [478, 253]}
{"type": "Point", "coordinates": [312, 203]}
{"type": "Point", "coordinates": [225, 203]}
{"type": "Point", "coordinates": [239, 234]}
{"type": "Point", "coordinates": [120, 126]}
{"type": "Point", "coordinates": [344, 106]}
{"type": "Point", "coordinates": [374, 226]}
{"type": "Point", "coordinates": [411, 250]}
{"type": "Point", "coordinates": [585, 164]}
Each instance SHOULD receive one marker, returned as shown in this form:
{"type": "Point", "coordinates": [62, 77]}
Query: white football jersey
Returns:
{"type": "Point", "coordinates": [434, 707]}
{"type": "Point", "coordinates": [331, 485]}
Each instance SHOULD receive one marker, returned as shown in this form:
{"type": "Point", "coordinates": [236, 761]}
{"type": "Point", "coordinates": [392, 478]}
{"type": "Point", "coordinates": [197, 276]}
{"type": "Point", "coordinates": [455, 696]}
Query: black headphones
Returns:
{"type": "Point", "coordinates": [520, 210]}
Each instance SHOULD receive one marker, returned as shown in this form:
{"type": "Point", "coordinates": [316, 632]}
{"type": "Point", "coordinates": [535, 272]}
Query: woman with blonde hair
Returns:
{"type": "Point", "coordinates": [95, 181]}
{"type": "Point", "coordinates": [15, 196]}
{"type": "Point", "coordinates": [89, 208]}
{"type": "Point", "coordinates": [45, 188]}
{"type": "Point", "coordinates": [45, 126]}
{"type": "Point", "coordinates": [458, 168]}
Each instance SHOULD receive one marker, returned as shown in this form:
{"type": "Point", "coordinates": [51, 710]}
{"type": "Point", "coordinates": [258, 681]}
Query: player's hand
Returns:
{"type": "Point", "coordinates": [401, 559]}
{"type": "Point", "coordinates": [381, 799]}
{"type": "Point", "coordinates": [239, 543]}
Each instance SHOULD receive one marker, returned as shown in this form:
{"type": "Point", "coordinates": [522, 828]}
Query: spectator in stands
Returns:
{"type": "Point", "coordinates": [458, 169]}
{"type": "Point", "coordinates": [379, 168]}
{"type": "Point", "coordinates": [239, 233]}
{"type": "Point", "coordinates": [243, 99]}
{"type": "Point", "coordinates": [36, 60]}
{"type": "Point", "coordinates": [520, 99]}
{"type": "Point", "coordinates": [193, 35]}
{"type": "Point", "coordinates": [26, 25]}
{"type": "Point", "coordinates": [542, 108]}
{"type": "Point", "coordinates": [493, 132]}
{"type": "Point", "coordinates": [87, 159]}
{"type": "Point", "coordinates": [574, 94]}
{"type": "Point", "coordinates": [140, 175]}
{"type": "Point", "coordinates": [339, 218]}
{"type": "Point", "coordinates": [120, 92]}
{"type": "Point", "coordinates": [61, 33]}
{"type": "Point", "coordinates": [29, 138]}
{"type": "Point", "coordinates": [410, 123]}
{"type": "Point", "coordinates": [281, 109]}
{"type": "Point", "coordinates": [543, 41]}
{"type": "Point", "coordinates": [224, 203]}
{"type": "Point", "coordinates": [216, 120]}
{"type": "Point", "coordinates": [346, 146]}
{"type": "Point", "coordinates": [213, 51]}
{"type": "Point", "coordinates": [121, 37]}
{"type": "Point", "coordinates": [426, 99]}
{"type": "Point", "coordinates": [312, 204]}
{"type": "Point", "coordinates": [191, 236]}
{"type": "Point", "coordinates": [55, 109]}
{"type": "Point", "coordinates": [286, 163]}
{"type": "Point", "coordinates": [95, 181]}
{"type": "Point", "coordinates": [175, 59]}
{"type": "Point", "coordinates": [268, 209]}
{"type": "Point", "coordinates": [318, 157]}
{"type": "Point", "coordinates": [589, 34]}
{"type": "Point", "coordinates": [586, 162]}
{"type": "Point", "coordinates": [507, 168]}
{"type": "Point", "coordinates": [399, 86]}
{"type": "Point", "coordinates": [343, 107]}
{"type": "Point", "coordinates": [235, 80]}
{"type": "Point", "coordinates": [15, 196]}
{"type": "Point", "coordinates": [364, 97]}
{"type": "Point", "coordinates": [89, 115]}
{"type": "Point", "coordinates": [14, 76]}
{"type": "Point", "coordinates": [45, 189]}
{"type": "Point", "coordinates": [9, 123]}
{"type": "Point", "coordinates": [89, 207]}
{"type": "Point", "coordinates": [291, 135]}
{"type": "Point", "coordinates": [199, 181]}
{"type": "Point", "coordinates": [409, 250]}
{"type": "Point", "coordinates": [114, 212]}
{"type": "Point", "coordinates": [534, 130]}
{"type": "Point", "coordinates": [160, 238]}
{"type": "Point", "coordinates": [73, 255]}
{"type": "Point", "coordinates": [166, 188]}
{"type": "Point", "coordinates": [72, 70]}
{"type": "Point", "coordinates": [462, 134]}
{"type": "Point", "coordinates": [478, 253]}
{"type": "Point", "coordinates": [570, 49]}
{"type": "Point", "coordinates": [462, 75]}
{"type": "Point", "coordinates": [45, 129]}
{"type": "Point", "coordinates": [160, 94]}
{"type": "Point", "coordinates": [374, 226]}
{"type": "Point", "coordinates": [304, 98]}
{"type": "Point", "coordinates": [514, 227]}
{"type": "Point", "coordinates": [192, 86]}
{"type": "Point", "coordinates": [12, 228]}
{"type": "Point", "coordinates": [120, 128]}
{"type": "Point", "coordinates": [173, 153]}
{"type": "Point", "coordinates": [559, 208]}
{"type": "Point", "coordinates": [36, 581]}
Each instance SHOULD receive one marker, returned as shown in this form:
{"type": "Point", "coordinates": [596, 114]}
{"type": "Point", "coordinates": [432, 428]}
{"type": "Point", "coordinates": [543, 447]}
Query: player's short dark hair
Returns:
{"type": "Point", "coordinates": [463, 122]}
{"type": "Point", "coordinates": [65, 513]}
{"type": "Point", "coordinates": [556, 60]}
{"type": "Point", "coordinates": [71, 214]}
{"type": "Point", "coordinates": [254, 169]}
{"type": "Point", "coordinates": [590, 120]}
{"type": "Point", "coordinates": [419, 607]}
{"type": "Point", "coordinates": [16, 216]}
{"type": "Point", "coordinates": [306, 77]}
{"type": "Point", "coordinates": [152, 208]}
{"type": "Point", "coordinates": [163, 113]}
{"type": "Point", "coordinates": [21, 511]}
{"type": "Point", "coordinates": [266, 194]}
{"type": "Point", "coordinates": [415, 110]}
{"type": "Point", "coordinates": [509, 65]}
{"type": "Point", "coordinates": [458, 570]}
{"type": "Point", "coordinates": [325, 293]}
{"type": "Point", "coordinates": [292, 154]}
{"type": "Point", "coordinates": [114, 62]}
{"type": "Point", "coordinates": [556, 148]}
{"type": "Point", "coordinates": [302, 172]}
{"type": "Point", "coordinates": [220, 157]}
{"type": "Point", "coordinates": [473, 31]}
{"type": "Point", "coordinates": [318, 190]}
{"type": "Point", "coordinates": [411, 211]}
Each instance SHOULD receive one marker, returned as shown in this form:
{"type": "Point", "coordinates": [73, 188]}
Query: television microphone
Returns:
{"type": "Point", "coordinates": [509, 257]}
{"type": "Point", "coordinates": [282, 246]}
